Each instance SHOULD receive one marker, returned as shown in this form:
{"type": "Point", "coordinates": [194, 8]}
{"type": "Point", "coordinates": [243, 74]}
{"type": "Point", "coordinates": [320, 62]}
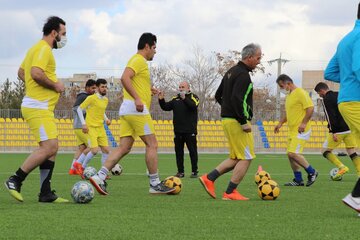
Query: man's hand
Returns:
{"type": "Point", "coordinates": [59, 87]}
{"type": "Point", "coordinates": [139, 105]}
{"type": "Point", "coordinates": [277, 128]}
{"type": "Point", "coordinates": [161, 95]}
{"type": "Point", "coordinates": [154, 91]}
{"type": "Point", "coordinates": [85, 129]}
{"type": "Point", "coordinates": [246, 128]}
{"type": "Point", "coordinates": [108, 122]}
{"type": "Point", "coordinates": [335, 137]}
{"type": "Point", "coordinates": [301, 128]}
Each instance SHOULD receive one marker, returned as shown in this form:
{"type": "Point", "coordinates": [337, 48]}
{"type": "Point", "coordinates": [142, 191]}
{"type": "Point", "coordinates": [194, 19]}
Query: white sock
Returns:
{"type": "Point", "coordinates": [102, 173]}
{"type": "Point", "coordinates": [88, 157]}
{"type": "Point", "coordinates": [154, 179]}
{"type": "Point", "coordinates": [72, 167]}
{"type": "Point", "coordinates": [81, 158]}
{"type": "Point", "coordinates": [104, 156]}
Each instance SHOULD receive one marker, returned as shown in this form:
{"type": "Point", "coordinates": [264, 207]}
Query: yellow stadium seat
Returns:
{"type": "Point", "coordinates": [160, 122]}
{"type": "Point", "coordinates": [2, 120]}
{"type": "Point", "coordinates": [200, 122]}
{"type": "Point", "coordinates": [166, 122]}
{"type": "Point", "coordinates": [67, 120]}
{"type": "Point", "coordinates": [7, 120]}
{"type": "Point", "coordinates": [325, 123]}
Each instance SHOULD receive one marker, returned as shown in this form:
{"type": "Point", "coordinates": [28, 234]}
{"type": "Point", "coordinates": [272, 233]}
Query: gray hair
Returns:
{"type": "Point", "coordinates": [249, 50]}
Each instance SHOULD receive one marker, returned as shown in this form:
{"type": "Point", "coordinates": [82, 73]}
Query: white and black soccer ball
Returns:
{"type": "Point", "coordinates": [333, 172]}
{"type": "Point", "coordinates": [117, 170]}
{"type": "Point", "coordinates": [89, 172]}
{"type": "Point", "coordinates": [82, 192]}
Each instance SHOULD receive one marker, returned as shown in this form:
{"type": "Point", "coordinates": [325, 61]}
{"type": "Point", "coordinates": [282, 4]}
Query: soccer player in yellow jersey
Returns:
{"type": "Point", "coordinates": [299, 109]}
{"type": "Point", "coordinates": [82, 138]}
{"type": "Point", "coordinates": [95, 106]}
{"type": "Point", "coordinates": [42, 93]}
{"type": "Point", "coordinates": [135, 119]}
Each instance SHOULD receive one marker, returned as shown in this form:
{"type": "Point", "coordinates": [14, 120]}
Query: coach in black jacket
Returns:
{"type": "Point", "coordinates": [185, 116]}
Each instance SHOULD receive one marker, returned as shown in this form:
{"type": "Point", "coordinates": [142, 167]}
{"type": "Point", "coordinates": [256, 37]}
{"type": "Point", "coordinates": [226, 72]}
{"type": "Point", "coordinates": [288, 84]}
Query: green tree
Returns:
{"type": "Point", "coordinates": [18, 93]}
{"type": "Point", "coordinates": [6, 95]}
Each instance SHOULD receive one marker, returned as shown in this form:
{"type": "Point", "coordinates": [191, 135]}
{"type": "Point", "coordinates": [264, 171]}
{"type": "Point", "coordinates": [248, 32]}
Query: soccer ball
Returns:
{"type": "Point", "coordinates": [173, 182]}
{"type": "Point", "coordinates": [82, 192]}
{"type": "Point", "coordinates": [261, 176]}
{"type": "Point", "coordinates": [268, 190]}
{"type": "Point", "coordinates": [89, 172]}
{"type": "Point", "coordinates": [117, 169]}
{"type": "Point", "coordinates": [333, 172]}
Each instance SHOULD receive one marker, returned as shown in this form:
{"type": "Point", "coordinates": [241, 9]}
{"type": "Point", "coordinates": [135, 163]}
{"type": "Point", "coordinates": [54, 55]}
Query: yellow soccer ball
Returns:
{"type": "Point", "coordinates": [262, 176]}
{"type": "Point", "coordinates": [268, 190]}
{"type": "Point", "coordinates": [173, 182]}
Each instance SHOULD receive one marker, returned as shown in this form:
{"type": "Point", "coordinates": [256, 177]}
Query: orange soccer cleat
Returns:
{"type": "Point", "coordinates": [235, 195]}
{"type": "Point", "coordinates": [208, 185]}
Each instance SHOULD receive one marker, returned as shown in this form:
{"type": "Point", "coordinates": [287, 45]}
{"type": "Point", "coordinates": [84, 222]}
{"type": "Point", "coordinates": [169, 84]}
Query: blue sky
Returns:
{"type": "Point", "coordinates": [102, 35]}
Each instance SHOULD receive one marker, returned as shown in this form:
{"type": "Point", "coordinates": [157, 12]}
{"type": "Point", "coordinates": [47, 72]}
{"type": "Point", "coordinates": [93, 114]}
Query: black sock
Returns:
{"type": "Point", "coordinates": [20, 175]}
{"type": "Point", "coordinates": [356, 191]}
{"type": "Point", "coordinates": [213, 175]}
{"type": "Point", "coordinates": [231, 187]}
{"type": "Point", "coordinates": [46, 170]}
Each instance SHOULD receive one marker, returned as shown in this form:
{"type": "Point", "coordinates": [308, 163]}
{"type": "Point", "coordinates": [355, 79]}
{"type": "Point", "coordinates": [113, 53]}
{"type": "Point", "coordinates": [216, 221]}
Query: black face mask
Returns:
{"type": "Point", "coordinates": [57, 39]}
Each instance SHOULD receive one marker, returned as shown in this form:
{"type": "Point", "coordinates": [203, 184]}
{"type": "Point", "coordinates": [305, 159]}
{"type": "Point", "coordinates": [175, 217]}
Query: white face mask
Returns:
{"type": "Point", "coordinates": [62, 42]}
{"type": "Point", "coordinates": [284, 91]}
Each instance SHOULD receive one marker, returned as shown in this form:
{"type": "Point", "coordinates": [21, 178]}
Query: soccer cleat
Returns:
{"type": "Point", "coordinates": [79, 169]}
{"type": "Point", "coordinates": [194, 175]}
{"type": "Point", "coordinates": [180, 175]}
{"type": "Point", "coordinates": [312, 178]}
{"type": "Point", "coordinates": [73, 172]}
{"type": "Point", "coordinates": [353, 202]}
{"type": "Point", "coordinates": [235, 195]}
{"type": "Point", "coordinates": [208, 185]}
{"type": "Point", "coordinates": [340, 173]}
{"type": "Point", "coordinates": [294, 183]}
{"type": "Point", "coordinates": [14, 188]}
{"type": "Point", "coordinates": [99, 184]}
{"type": "Point", "coordinates": [51, 197]}
{"type": "Point", "coordinates": [161, 188]}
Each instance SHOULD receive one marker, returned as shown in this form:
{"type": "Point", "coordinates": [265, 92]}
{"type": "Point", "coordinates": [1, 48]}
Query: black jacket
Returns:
{"type": "Point", "coordinates": [185, 113]}
{"type": "Point", "coordinates": [235, 94]}
{"type": "Point", "coordinates": [336, 122]}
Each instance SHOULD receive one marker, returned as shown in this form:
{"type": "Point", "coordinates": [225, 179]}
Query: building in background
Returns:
{"type": "Point", "coordinates": [309, 80]}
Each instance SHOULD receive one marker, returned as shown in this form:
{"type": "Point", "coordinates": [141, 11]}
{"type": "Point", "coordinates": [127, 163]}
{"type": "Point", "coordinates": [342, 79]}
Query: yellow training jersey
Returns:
{"type": "Point", "coordinates": [36, 96]}
{"type": "Point", "coordinates": [95, 106]}
{"type": "Point", "coordinates": [141, 81]}
{"type": "Point", "coordinates": [296, 103]}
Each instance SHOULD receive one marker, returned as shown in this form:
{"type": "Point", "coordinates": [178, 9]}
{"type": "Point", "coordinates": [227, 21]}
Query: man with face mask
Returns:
{"type": "Point", "coordinates": [185, 116]}
{"type": "Point", "coordinates": [299, 109]}
{"type": "Point", "coordinates": [42, 93]}
{"type": "Point", "coordinates": [339, 131]}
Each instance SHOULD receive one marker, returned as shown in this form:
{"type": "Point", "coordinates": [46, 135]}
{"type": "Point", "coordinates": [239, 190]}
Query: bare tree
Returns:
{"type": "Point", "coordinates": [201, 71]}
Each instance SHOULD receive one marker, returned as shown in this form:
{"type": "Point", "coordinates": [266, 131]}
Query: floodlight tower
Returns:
{"type": "Point", "coordinates": [280, 62]}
